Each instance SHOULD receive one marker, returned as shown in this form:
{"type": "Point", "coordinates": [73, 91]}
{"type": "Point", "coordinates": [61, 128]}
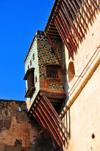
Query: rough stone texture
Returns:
{"type": "Point", "coordinates": [7, 124]}
{"type": "Point", "coordinates": [12, 148]}
{"type": "Point", "coordinates": [82, 120]}
{"type": "Point", "coordinates": [17, 131]}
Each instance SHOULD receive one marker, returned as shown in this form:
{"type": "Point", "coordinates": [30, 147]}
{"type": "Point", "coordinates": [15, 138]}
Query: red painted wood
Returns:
{"type": "Point", "coordinates": [47, 128]}
{"type": "Point", "coordinates": [48, 118]}
{"type": "Point", "coordinates": [88, 10]}
{"type": "Point", "coordinates": [55, 113]}
{"type": "Point", "coordinates": [74, 17]}
{"type": "Point", "coordinates": [78, 11]}
{"type": "Point", "coordinates": [78, 16]}
{"type": "Point", "coordinates": [63, 38]}
{"type": "Point", "coordinates": [67, 27]}
{"type": "Point", "coordinates": [66, 34]}
{"type": "Point", "coordinates": [78, 2]}
{"type": "Point", "coordinates": [94, 5]}
{"type": "Point", "coordinates": [54, 136]}
{"type": "Point", "coordinates": [47, 108]}
{"type": "Point", "coordinates": [63, 8]}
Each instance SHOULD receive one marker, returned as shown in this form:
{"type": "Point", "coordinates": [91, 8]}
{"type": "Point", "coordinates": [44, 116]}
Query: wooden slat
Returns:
{"type": "Point", "coordinates": [78, 2]}
{"type": "Point", "coordinates": [44, 130]}
{"type": "Point", "coordinates": [75, 12]}
{"type": "Point", "coordinates": [52, 116]}
{"type": "Point", "coordinates": [53, 33]}
{"type": "Point", "coordinates": [69, 39]}
{"type": "Point", "coordinates": [67, 27]}
{"type": "Point", "coordinates": [74, 17]}
{"type": "Point", "coordinates": [65, 11]}
{"type": "Point", "coordinates": [63, 38]}
{"type": "Point", "coordinates": [53, 30]}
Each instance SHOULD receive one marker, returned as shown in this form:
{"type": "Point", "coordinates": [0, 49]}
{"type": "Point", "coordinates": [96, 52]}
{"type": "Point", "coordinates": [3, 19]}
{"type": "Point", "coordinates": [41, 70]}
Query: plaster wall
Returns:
{"type": "Point", "coordinates": [86, 49]}
{"type": "Point", "coordinates": [82, 120]}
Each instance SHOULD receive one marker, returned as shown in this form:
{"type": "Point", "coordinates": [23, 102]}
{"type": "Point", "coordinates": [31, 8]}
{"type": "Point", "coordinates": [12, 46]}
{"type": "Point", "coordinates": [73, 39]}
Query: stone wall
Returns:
{"type": "Point", "coordinates": [17, 131]}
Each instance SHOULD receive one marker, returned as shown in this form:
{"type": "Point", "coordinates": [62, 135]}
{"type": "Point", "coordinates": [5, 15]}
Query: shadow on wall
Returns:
{"type": "Point", "coordinates": [70, 73]}
{"type": "Point", "coordinates": [17, 131]}
{"type": "Point", "coordinates": [41, 143]}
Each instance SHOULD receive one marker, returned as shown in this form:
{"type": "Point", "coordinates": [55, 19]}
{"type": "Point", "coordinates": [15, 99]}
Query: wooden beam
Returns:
{"type": "Point", "coordinates": [67, 27]}
{"type": "Point", "coordinates": [53, 27]}
{"type": "Point", "coordinates": [55, 37]}
{"type": "Point", "coordinates": [63, 38]}
{"type": "Point", "coordinates": [69, 39]}
{"type": "Point", "coordinates": [78, 11]}
{"type": "Point", "coordinates": [71, 22]}
{"type": "Point", "coordinates": [74, 17]}
{"type": "Point", "coordinates": [53, 30]}
{"type": "Point", "coordinates": [77, 16]}
{"type": "Point", "coordinates": [51, 23]}
{"type": "Point", "coordinates": [95, 5]}
{"type": "Point", "coordinates": [78, 2]}
{"type": "Point", "coordinates": [49, 110]}
{"type": "Point", "coordinates": [52, 33]}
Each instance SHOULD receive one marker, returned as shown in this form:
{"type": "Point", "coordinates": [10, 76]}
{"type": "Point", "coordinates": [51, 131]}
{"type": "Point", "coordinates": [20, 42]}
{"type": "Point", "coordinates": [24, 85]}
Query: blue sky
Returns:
{"type": "Point", "coordinates": [19, 21]}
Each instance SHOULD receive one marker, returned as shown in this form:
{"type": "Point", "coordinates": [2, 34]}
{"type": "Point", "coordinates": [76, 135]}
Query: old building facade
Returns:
{"type": "Point", "coordinates": [62, 69]}
{"type": "Point", "coordinates": [77, 24]}
{"type": "Point", "coordinates": [18, 132]}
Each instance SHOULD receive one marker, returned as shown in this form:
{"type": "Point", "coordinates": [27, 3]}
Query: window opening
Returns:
{"type": "Point", "coordinates": [33, 56]}
{"type": "Point", "coordinates": [29, 76]}
{"type": "Point", "coordinates": [30, 62]}
{"type": "Point", "coordinates": [36, 79]}
{"type": "Point", "coordinates": [71, 71]}
{"type": "Point", "coordinates": [52, 71]}
{"type": "Point", "coordinates": [52, 50]}
{"type": "Point", "coordinates": [19, 108]}
{"type": "Point", "coordinates": [30, 79]}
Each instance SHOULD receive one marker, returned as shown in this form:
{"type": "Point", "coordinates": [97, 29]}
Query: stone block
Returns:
{"type": "Point", "coordinates": [15, 106]}
{"type": "Point", "coordinates": [7, 124]}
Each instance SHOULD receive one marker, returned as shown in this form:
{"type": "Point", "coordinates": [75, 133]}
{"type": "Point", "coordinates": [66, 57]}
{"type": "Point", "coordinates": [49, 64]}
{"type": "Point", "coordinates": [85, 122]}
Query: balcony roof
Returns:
{"type": "Point", "coordinates": [49, 121]}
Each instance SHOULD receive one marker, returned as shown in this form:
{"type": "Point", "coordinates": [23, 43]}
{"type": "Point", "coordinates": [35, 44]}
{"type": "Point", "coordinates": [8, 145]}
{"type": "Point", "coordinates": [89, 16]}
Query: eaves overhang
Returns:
{"type": "Point", "coordinates": [70, 21]}
{"type": "Point", "coordinates": [50, 28]}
